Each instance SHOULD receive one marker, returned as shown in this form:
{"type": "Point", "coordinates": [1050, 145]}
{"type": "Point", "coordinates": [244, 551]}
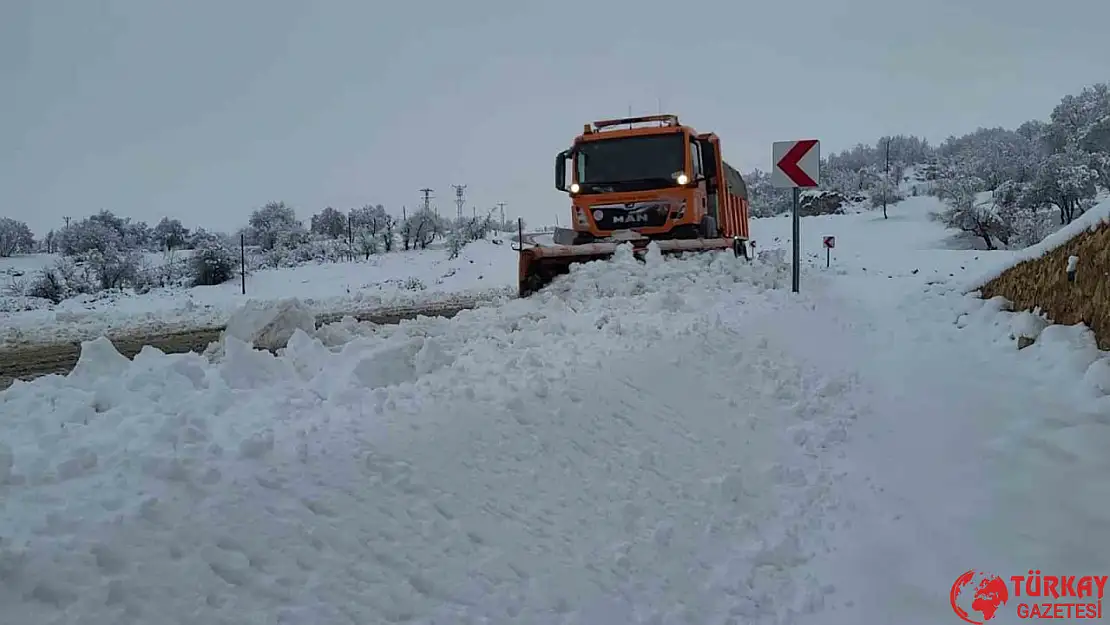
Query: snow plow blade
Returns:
{"type": "Point", "coordinates": [539, 265]}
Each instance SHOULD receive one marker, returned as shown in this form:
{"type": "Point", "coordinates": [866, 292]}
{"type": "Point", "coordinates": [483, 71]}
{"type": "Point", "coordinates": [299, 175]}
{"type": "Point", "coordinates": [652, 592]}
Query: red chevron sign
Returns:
{"type": "Point", "coordinates": [797, 163]}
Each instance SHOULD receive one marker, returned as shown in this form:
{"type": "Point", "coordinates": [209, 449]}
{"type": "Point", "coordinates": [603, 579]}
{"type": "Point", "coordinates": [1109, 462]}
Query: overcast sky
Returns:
{"type": "Point", "coordinates": [206, 109]}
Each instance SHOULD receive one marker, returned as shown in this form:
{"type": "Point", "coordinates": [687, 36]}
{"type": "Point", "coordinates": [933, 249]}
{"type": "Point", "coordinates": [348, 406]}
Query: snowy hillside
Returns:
{"type": "Point", "coordinates": [676, 441]}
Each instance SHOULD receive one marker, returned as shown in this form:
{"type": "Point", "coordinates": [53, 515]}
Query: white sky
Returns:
{"type": "Point", "coordinates": [206, 109]}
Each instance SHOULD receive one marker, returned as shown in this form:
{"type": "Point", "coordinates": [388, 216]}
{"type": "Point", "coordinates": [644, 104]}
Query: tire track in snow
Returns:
{"type": "Point", "coordinates": [687, 502]}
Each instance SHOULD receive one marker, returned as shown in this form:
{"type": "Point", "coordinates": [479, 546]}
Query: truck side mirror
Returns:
{"type": "Point", "coordinates": [561, 170]}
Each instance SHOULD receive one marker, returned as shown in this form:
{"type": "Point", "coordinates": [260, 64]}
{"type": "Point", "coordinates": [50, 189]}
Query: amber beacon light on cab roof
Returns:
{"type": "Point", "coordinates": [636, 180]}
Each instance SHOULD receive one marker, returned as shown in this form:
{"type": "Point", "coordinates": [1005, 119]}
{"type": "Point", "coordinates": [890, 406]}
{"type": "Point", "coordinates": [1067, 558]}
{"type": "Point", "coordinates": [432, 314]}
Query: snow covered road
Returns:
{"type": "Point", "coordinates": [681, 442]}
{"type": "Point", "coordinates": [975, 455]}
{"type": "Point", "coordinates": [516, 464]}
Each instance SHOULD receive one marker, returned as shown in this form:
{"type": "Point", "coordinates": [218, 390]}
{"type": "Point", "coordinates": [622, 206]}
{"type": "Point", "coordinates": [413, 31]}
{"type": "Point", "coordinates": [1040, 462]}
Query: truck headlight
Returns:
{"type": "Point", "coordinates": [574, 188]}
{"type": "Point", "coordinates": [682, 179]}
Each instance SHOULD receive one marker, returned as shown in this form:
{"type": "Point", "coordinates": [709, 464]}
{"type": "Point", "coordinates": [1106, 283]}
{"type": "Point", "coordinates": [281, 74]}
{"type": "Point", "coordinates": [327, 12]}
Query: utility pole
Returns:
{"type": "Point", "coordinates": [427, 199]}
{"type": "Point", "coordinates": [501, 205]}
{"type": "Point", "coordinates": [459, 199]}
{"type": "Point", "coordinates": [66, 219]}
{"type": "Point", "coordinates": [886, 187]}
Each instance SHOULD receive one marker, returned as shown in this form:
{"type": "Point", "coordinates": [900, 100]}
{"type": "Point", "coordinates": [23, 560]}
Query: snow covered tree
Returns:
{"type": "Point", "coordinates": [389, 225]}
{"type": "Point", "coordinates": [59, 282]}
{"type": "Point", "coordinates": [846, 182]}
{"type": "Point", "coordinates": [475, 228]}
{"type": "Point", "coordinates": [136, 235]}
{"type": "Point", "coordinates": [1100, 164]}
{"type": "Point", "coordinates": [214, 261]}
{"type": "Point", "coordinates": [995, 154]}
{"type": "Point", "coordinates": [965, 213]}
{"type": "Point", "coordinates": [373, 229]}
{"type": "Point", "coordinates": [274, 224]}
{"type": "Point", "coordinates": [329, 222]}
{"type": "Point", "coordinates": [114, 267]}
{"type": "Point", "coordinates": [371, 219]}
{"type": "Point", "coordinates": [885, 193]}
{"type": "Point", "coordinates": [1082, 120]}
{"type": "Point", "coordinates": [367, 243]}
{"type": "Point", "coordinates": [1066, 180]}
{"type": "Point", "coordinates": [421, 228]}
{"type": "Point", "coordinates": [170, 234]}
{"type": "Point", "coordinates": [1030, 219]}
{"type": "Point", "coordinates": [468, 229]}
{"type": "Point", "coordinates": [88, 235]}
{"type": "Point", "coordinates": [861, 162]}
{"type": "Point", "coordinates": [15, 237]}
{"type": "Point", "coordinates": [856, 158]}
{"type": "Point", "coordinates": [109, 220]}
{"type": "Point", "coordinates": [456, 241]}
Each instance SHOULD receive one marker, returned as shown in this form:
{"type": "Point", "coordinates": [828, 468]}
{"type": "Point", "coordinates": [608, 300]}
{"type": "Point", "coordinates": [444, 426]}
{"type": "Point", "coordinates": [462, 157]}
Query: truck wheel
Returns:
{"type": "Point", "coordinates": [740, 248]}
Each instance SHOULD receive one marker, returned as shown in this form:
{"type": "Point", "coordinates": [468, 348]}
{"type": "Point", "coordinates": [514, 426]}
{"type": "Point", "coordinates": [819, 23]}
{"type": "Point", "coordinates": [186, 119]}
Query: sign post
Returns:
{"type": "Point", "coordinates": [830, 242]}
{"type": "Point", "coordinates": [797, 166]}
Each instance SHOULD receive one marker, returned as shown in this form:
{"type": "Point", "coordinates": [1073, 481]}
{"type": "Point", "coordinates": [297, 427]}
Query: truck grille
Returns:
{"type": "Point", "coordinates": [630, 215]}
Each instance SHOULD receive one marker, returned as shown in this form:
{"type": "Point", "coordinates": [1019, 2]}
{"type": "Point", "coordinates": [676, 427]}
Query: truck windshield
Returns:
{"type": "Point", "coordinates": [630, 163]}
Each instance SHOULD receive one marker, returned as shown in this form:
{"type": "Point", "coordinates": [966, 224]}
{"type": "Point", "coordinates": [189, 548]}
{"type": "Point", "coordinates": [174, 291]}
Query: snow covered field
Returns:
{"type": "Point", "coordinates": [483, 270]}
{"type": "Point", "coordinates": [684, 441]}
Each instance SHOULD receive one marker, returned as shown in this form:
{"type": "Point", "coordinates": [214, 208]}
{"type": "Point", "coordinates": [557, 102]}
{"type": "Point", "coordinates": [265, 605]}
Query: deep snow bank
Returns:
{"type": "Point", "coordinates": [540, 462]}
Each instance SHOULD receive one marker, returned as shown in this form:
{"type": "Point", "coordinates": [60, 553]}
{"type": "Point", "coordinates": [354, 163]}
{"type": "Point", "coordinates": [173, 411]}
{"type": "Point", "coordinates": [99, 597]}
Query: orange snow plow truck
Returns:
{"type": "Point", "coordinates": [636, 180]}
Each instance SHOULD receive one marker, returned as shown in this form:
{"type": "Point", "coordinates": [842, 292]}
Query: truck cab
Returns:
{"type": "Point", "coordinates": [660, 181]}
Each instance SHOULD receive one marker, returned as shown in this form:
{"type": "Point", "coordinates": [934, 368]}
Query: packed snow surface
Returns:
{"type": "Point", "coordinates": [678, 441]}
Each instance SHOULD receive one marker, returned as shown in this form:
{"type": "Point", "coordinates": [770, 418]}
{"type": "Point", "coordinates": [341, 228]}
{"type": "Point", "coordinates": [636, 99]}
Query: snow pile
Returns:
{"type": "Point", "coordinates": [626, 447]}
{"type": "Point", "coordinates": [1067, 355]}
{"type": "Point", "coordinates": [270, 325]}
